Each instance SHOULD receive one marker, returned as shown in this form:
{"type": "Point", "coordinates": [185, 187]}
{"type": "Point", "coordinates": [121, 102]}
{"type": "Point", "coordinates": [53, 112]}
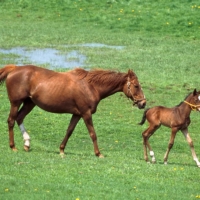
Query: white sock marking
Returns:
{"type": "Point", "coordinates": [152, 155]}
{"type": "Point", "coordinates": [25, 135]}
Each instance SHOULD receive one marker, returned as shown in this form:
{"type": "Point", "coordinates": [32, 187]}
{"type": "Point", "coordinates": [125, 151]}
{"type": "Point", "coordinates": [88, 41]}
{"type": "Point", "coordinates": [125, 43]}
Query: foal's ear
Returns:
{"type": "Point", "coordinates": [194, 92]}
{"type": "Point", "coordinates": [131, 73]}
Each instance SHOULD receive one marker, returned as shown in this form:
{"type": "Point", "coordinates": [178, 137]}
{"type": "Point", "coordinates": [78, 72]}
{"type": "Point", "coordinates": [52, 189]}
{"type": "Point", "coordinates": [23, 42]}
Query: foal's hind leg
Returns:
{"type": "Point", "coordinates": [28, 105]}
{"type": "Point", "coordinates": [190, 142]}
{"type": "Point", "coordinates": [153, 159]}
{"type": "Point", "coordinates": [146, 135]}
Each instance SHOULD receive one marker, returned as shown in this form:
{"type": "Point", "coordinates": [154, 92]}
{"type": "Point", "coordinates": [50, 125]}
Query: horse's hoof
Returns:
{"type": "Point", "coordinates": [14, 149]}
{"type": "Point", "coordinates": [165, 163]}
{"type": "Point", "coordinates": [101, 156]}
{"type": "Point", "coordinates": [26, 148]}
{"type": "Point", "coordinates": [62, 154]}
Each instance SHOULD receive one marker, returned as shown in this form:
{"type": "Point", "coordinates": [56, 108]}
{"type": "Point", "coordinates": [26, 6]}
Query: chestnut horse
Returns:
{"type": "Point", "coordinates": [176, 118]}
{"type": "Point", "coordinates": [77, 92]}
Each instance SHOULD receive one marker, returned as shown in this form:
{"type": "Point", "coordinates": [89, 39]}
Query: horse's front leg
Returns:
{"type": "Point", "coordinates": [170, 145]}
{"type": "Point", "coordinates": [73, 122]}
{"type": "Point", "coordinates": [89, 124]}
{"type": "Point", "coordinates": [190, 142]}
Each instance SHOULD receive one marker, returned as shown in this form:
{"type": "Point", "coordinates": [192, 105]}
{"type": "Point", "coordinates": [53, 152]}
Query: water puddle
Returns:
{"type": "Point", "coordinates": [53, 57]}
{"type": "Point", "coordinates": [47, 56]}
{"type": "Point", "coordinates": [98, 45]}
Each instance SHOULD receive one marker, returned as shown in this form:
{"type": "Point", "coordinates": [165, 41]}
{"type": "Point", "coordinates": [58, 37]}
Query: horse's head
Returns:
{"type": "Point", "coordinates": [193, 100]}
{"type": "Point", "coordinates": [133, 90]}
{"type": "Point", "coordinates": [196, 99]}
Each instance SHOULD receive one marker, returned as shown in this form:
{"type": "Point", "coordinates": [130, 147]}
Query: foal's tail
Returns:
{"type": "Point", "coordinates": [143, 117]}
{"type": "Point", "coordinates": [5, 71]}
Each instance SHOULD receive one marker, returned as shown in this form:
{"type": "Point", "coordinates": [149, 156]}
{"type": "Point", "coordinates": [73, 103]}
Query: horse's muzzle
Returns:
{"type": "Point", "coordinates": [140, 104]}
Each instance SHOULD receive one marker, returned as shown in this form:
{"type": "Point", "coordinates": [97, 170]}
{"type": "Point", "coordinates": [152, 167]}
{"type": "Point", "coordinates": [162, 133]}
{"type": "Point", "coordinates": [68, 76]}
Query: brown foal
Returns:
{"type": "Point", "coordinates": [176, 118]}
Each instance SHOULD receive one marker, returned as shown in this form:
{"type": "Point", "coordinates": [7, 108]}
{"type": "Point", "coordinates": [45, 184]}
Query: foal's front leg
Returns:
{"type": "Point", "coordinates": [171, 143]}
{"type": "Point", "coordinates": [190, 142]}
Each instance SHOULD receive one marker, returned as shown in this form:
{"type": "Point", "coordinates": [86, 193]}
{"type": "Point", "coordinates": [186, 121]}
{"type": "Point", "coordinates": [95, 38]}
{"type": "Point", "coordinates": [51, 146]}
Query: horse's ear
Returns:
{"type": "Point", "coordinates": [195, 92]}
{"type": "Point", "coordinates": [131, 73]}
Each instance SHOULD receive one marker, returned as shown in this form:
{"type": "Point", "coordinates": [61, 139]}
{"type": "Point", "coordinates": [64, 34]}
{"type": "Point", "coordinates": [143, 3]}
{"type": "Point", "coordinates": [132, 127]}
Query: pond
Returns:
{"type": "Point", "coordinates": [53, 57]}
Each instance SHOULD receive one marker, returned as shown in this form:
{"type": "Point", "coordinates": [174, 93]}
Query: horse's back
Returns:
{"type": "Point", "coordinates": [160, 115]}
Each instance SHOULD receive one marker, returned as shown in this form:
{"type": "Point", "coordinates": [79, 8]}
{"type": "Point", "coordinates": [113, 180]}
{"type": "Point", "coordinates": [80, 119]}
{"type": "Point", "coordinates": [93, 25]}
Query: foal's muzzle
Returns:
{"type": "Point", "coordinates": [140, 103]}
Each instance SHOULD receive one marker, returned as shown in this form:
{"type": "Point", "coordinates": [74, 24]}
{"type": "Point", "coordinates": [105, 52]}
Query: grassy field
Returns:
{"type": "Point", "coordinates": [161, 42]}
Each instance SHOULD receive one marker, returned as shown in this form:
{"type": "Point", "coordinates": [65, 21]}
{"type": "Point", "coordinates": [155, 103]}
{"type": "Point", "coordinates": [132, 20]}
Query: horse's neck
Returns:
{"type": "Point", "coordinates": [105, 91]}
{"type": "Point", "coordinates": [184, 109]}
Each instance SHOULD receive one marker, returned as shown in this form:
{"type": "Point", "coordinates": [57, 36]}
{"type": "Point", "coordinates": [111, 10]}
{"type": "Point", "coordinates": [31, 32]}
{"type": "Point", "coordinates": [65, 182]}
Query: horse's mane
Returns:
{"type": "Point", "coordinates": [100, 76]}
{"type": "Point", "coordinates": [184, 99]}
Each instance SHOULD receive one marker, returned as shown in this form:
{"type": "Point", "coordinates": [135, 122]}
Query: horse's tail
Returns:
{"type": "Point", "coordinates": [143, 117]}
{"type": "Point", "coordinates": [5, 71]}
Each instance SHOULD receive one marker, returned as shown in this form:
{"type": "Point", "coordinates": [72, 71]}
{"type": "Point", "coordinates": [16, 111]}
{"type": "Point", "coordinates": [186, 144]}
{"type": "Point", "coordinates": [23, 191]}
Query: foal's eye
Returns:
{"type": "Point", "coordinates": [136, 86]}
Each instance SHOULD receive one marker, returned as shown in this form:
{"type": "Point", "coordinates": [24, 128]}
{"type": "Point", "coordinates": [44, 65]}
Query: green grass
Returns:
{"type": "Point", "coordinates": [162, 41]}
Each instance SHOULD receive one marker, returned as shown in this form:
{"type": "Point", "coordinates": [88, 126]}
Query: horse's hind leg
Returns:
{"type": "Point", "coordinates": [11, 123]}
{"type": "Point", "coordinates": [73, 122]}
{"type": "Point", "coordinates": [190, 142]}
{"type": "Point", "coordinates": [28, 105]}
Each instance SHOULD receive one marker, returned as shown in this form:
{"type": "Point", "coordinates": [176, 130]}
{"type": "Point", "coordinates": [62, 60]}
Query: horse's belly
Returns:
{"type": "Point", "coordinates": [57, 106]}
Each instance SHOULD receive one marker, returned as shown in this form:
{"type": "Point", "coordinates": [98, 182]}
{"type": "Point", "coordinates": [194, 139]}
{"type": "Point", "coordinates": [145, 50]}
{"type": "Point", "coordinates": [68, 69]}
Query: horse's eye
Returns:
{"type": "Point", "coordinates": [136, 86]}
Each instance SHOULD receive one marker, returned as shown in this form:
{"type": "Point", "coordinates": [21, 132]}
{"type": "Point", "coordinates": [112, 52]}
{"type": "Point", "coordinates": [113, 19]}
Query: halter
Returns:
{"type": "Point", "coordinates": [135, 101]}
{"type": "Point", "coordinates": [193, 107]}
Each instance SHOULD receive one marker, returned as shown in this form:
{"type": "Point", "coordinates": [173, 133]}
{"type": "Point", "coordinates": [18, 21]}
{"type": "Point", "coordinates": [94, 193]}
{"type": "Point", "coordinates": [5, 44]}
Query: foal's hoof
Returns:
{"type": "Point", "coordinates": [153, 161]}
{"type": "Point", "coordinates": [26, 148]}
{"type": "Point", "coordinates": [62, 154]}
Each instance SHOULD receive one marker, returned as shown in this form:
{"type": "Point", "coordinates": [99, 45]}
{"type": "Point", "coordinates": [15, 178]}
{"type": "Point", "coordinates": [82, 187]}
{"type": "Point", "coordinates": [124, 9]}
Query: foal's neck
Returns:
{"type": "Point", "coordinates": [184, 108]}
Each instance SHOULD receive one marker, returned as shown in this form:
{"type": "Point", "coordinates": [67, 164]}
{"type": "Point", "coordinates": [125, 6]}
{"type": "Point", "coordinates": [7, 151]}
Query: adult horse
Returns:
{"type": "Point", "coordinates": [77, 92]}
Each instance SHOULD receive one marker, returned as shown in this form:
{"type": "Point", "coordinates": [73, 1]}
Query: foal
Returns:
{"type": "Point", "coordinates": [176, 118]}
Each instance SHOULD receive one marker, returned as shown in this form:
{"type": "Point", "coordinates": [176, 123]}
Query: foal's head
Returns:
{"type": "Point", "coordinates": [133, 90]}
{"type": "Point", "coordinates": [193, 100]}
